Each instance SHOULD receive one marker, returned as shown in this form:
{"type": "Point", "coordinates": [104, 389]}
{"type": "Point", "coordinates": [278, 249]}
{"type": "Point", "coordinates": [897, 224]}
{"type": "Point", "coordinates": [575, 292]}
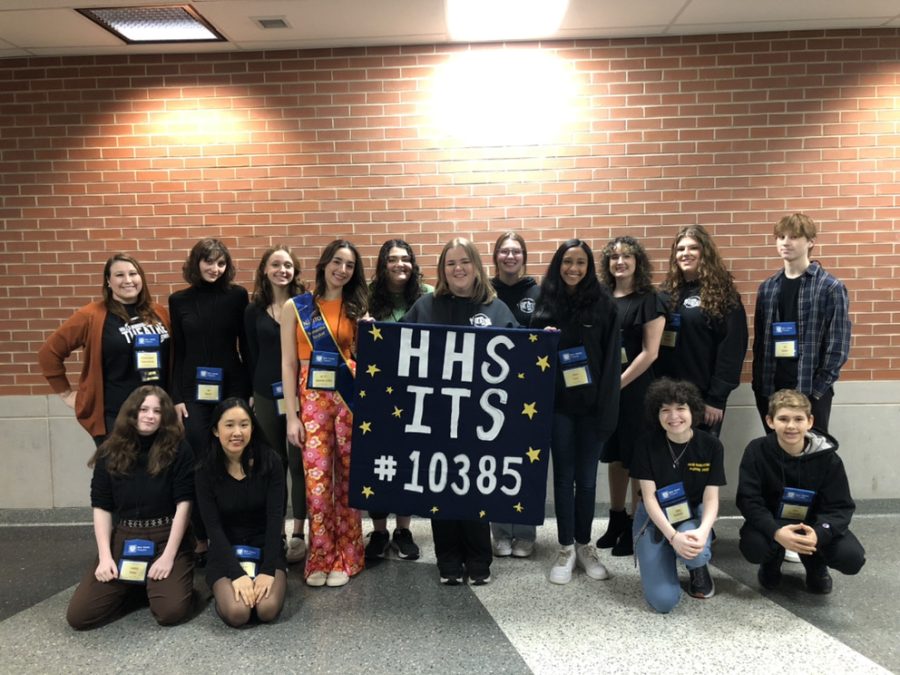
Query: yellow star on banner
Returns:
{"type": "Point", "coordinates": [434, 509]}
{"type": "Point", "coordinates": [366, 427]}
{"type": "Point", "coordinates": [519, 508]}
{"type": "Point", "coordinates": [543, 363]}
{"type": "Point", "coordinates": [397, 412]}
{"type": "Point", "coordinates": [521, 376]}
{"type": "Point", "coordinates": [376, 334]}
{"type": "Point", "coordinates": [534, 454]}
{"type": "Point", "coordinates": [372, 369]}
{"type": "Point", "coordinates": [532, 338]}
{"type": "Point", "coordinates": [362, 393]}
{"type": "Point", "coordinates": [482, 513]}
{"type": "Point", "coordinates": [390, 390]}
{"type": "Point", "coordinates": [367, 491]}
{"type": "Point", "coordinates": [530, 409]}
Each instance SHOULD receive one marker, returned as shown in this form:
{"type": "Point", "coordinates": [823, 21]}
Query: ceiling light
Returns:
{"type": "Point", "coordinates": [498, 20]}
{"type": "Point", "coordinates": [178, 23]}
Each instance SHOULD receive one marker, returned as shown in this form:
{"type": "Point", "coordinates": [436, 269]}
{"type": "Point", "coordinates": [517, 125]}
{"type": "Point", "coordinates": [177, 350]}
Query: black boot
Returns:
{"type": "Point", "coordinates": [618, 523]}
{"type": "Point", "coordinates": [625, 545]}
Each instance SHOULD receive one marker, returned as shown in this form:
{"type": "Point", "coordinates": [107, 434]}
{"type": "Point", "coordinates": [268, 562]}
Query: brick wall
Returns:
{"type": "Point", "coordinates": [148, 153]}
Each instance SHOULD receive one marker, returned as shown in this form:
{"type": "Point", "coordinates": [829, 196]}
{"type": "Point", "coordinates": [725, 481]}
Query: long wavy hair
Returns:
{"type": "Point", "coordinates": [120, 449]}
{"type": "Point", "coordinates": [253, 459]}
{"type": "Point", "coordinates": [718, 294]}
{"type": "Point", "coordinates": [354, 293]}
{"type": "Point", "coordinates": [483, 292]}
{"type": "Point", "coordinates": [642, 269]}
{"type": "Point", "coordinates": [263, 295]}
{"type": "Point", "coordinates": [380, 302]}
{"type": "Point", "coordinates": [209, 250]}
{"type": "Point", "coordinates": [144, 304]}
{"type": "Point", "coordinates": [555, 304]}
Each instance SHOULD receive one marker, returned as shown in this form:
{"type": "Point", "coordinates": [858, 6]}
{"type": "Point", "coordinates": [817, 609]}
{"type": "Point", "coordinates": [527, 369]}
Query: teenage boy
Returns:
{"type": "Point", "coordinates": [802, 324]}
{"type": "Point", "coordinates": [794, 496]}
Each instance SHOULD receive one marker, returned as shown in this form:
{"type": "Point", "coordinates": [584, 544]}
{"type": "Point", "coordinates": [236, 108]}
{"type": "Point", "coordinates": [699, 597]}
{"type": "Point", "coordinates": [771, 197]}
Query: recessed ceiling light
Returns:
{"type": "Point", "coordinates": [172, 23]}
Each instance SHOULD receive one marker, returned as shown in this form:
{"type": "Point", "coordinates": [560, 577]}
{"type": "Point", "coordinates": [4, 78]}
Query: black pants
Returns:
{"type": "Point", "coordinates": [821, 410]}
{"type": "Point", "coordinates": [844, 553]}
{"type": "Point", "coordinates": [459, 543]}
{"type": "Point", "coordinates": [196, 432]}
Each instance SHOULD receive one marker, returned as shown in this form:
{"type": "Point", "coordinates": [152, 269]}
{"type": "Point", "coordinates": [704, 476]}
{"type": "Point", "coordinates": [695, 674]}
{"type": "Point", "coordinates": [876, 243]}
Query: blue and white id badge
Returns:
{"type": "Point", "coordinates": [670, 334]}
{"type": "Point", "coordinates": [673, 502]}
{"type": "Point", "coordinates": [322, 372]}
{"type": "Point", "coordinates": [248, 557]}
{"type": "Point", "coordinates": [795, 503]}
{"type": "Point", "coordinates": [278, 396]}
{"type": "Point", "coordinates": [574, 365]}
{"type": "Point", "coordinates": [209, 384]}
{"type": "Point", "coordinates": [137, 554]}
{"type": "Point", "coordinates": [146, 357]}
{"type": "Point", "coordinates": [784, 337]}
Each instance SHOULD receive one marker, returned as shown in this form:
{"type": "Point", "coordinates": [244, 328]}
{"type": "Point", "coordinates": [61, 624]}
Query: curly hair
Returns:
{"type": "Point", "coordinates": [144, 304]}
{"type": "Point", "coordinates": [555, 303]}
{"type": "Point", "coordinates": [718, 294]}
{"type": "Point", "coordinates": [665, 391]}
{"type": "Point", "coordinates": [120, 449]}
{"type": "Point", "coordinates": [262, 287]}
{"type": "Point", "coordinates": [483, 292]}
{"type": "Point", "coordinates": [642, 269]}
{"type": "Point", "coordinates": [380, 302]}
{"type": "Point", "coordinates": [354, 293]}
{"type": "Point", "coordinates": [254, 457]}
{"type": "Point", "coordinates": [209, 250]}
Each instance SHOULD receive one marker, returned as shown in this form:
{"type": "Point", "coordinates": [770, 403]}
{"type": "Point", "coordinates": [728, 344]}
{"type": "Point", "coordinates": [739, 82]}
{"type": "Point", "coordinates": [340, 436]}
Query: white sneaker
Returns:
{"type": "Point", "coordinates": [316, 579]}
{"type": "Point", "coordinates": [588, 559]}
{"type": "Point", "coordinates": [337, 578]}
{"type": "Point", "coordinates": [791, 556]}
{"type": "Point", "coordinates": [502, 547]}
{"type": "Point", "coordinates": [522, 548]}
{"type": "Point", "coordinates": [561, 572]}
{"type": "Point", "coordinates": [296, 550]}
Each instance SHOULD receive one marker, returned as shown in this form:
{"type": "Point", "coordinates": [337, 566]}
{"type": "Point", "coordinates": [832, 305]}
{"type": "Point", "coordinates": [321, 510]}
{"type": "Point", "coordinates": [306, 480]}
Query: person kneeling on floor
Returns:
{"type": "Point", "coordinates": [794, 496]}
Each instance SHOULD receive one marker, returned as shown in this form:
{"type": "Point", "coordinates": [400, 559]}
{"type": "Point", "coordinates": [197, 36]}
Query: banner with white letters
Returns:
{"type": "Point", "coordinates": [453, 422]}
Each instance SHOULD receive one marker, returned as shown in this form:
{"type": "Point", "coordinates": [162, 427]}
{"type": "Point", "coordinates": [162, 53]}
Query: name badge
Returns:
{"type": "Point", "coordinates": [137, 555]}
{"type": "Point", "coordinates": [248, 557]}
{"type": "Point", "coordinates": [278, 395]}
{"type": "Point", "coordinates": [209, 384]}
{"type": "Point", "coordinates": [795, 503]}
{"type": "Point", "coordinates": [624, 358]}
{"type": "Point", "coordinates": [322, 372]}
{"type": "Point", "coordinates": [670, 334]}
{"type": "Point", "coordinates": [784, 334]}
{"type": "Point", "coordinates": [146, 357]}
{"type": "Point", "coordinates": [673, 501]}
{"type": "Point", "coordinates": [574, 365]}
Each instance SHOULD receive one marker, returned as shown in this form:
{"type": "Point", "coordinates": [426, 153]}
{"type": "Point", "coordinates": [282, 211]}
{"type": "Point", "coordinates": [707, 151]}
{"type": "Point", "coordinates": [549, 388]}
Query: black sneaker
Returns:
{"type": "Point", "coordinates": [451, 579]}
{"type": "Point", "coordinates": [702, 585]}
{"type": "Point", "coordinates": [481, 579]}
{"type": "Point", "coordinates": [379, 543]}
{"type": "Point", "coordinates": [818, 580]}
{"type": "Point", "coordinates": [769, 574]}
{"type": "Point", "coordinates": [404, 545]}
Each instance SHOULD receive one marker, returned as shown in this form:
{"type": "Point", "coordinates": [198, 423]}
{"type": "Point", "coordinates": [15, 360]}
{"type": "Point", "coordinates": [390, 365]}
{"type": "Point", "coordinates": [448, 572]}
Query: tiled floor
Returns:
{"type": "Point", "coordinates": [396, 618]}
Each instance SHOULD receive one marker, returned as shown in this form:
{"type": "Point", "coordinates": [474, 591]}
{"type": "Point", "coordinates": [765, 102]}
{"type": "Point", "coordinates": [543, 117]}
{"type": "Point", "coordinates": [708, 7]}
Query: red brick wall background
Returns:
{"type": "Point", "coordinates": [149, 153]}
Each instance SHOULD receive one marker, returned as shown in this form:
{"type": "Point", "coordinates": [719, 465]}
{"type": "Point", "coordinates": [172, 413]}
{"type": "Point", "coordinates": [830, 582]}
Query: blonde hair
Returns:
{"type": "Point", "coordinates": [789, 398]}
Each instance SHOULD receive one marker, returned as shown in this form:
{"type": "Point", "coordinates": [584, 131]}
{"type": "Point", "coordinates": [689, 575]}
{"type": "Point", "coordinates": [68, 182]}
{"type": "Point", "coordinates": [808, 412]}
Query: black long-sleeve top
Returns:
{"type": "Point", "coordinates": [263, 348]}
{"type": "Point", "coordinates": [245, 512]}
{"type": "Point", "coordinates": [139, 496]}
{"type": "Point", "coordinates": [766, 470]}
{"type": "Point", "coordinates": [208, 330]}
{"type": "Point", "coordinates": [708, 352]}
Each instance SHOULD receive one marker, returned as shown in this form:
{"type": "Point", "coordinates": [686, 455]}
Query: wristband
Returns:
{"type": "Point", "coordinates": [673, 536]}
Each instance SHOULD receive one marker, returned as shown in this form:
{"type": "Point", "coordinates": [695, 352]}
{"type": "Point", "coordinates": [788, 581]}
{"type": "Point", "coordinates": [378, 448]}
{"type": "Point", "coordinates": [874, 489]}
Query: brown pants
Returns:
{"type": "Point", "coordinates": [96, 602]}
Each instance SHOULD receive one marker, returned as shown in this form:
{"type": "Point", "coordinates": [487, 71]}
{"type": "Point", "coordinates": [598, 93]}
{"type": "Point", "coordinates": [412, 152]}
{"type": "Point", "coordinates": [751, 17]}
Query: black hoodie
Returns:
{"type": "Point", "coordinates": [766, 470]}
{"type": "Point", "coordinates": [521, 297]}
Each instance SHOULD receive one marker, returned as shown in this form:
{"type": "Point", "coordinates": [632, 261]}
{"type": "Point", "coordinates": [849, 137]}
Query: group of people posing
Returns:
{"type": "Point", "coordinates": [200, 411]}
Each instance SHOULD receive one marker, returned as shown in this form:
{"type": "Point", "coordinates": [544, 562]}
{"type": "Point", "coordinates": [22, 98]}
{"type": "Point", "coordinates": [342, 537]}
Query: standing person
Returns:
{"type": "Point", "coordinates": [626, 271]}
{"type": "Point", "coordinates": [463, 297]}
{"type": "Point", "coordinates": [240, 489]}
{"type": "Point", "coordinates": [794, 496]}
{"type": "Point", "coordinates": [705, 339]}
{"type": "Point", "coordinates": [125, 337]}
{"type": "Point", "coordinates": [142, 490]}
{"type": "Point", "coordinates": [680, 468]}
{"type": "Point", "coordinates": [519, 292]}
{"type": "Point", "coordinates": [802, 325]}
{"type": "Point", "coordinates": [396, 287]}
{"type": "Point", "coordinates": [318, 341]}
{"type": "Point", "coordinates": [587, 398]}
{"type": "Point", "coordinates": [208, 331]}
{"type": "Point", "coordinates": [277, 281]}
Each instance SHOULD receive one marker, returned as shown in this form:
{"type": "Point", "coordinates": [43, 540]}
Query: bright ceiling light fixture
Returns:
{"type": "Point", "coordinates": [141, 25]}
{"type": "Point", "coordinates": [497, 20]}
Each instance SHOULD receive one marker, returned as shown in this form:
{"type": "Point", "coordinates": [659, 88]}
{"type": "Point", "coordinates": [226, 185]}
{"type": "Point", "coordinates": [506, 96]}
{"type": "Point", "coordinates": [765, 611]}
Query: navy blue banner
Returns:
{"type": "Point", "coordinates": [453, 422]}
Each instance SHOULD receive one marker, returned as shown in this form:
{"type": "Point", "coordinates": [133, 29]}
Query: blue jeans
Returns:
{"type": "Point", "coordinates": [576, 451]}
{"type": "Point", "coordinates": [657, 560]}
{"type": "Point", "coordinates": [514, 531]}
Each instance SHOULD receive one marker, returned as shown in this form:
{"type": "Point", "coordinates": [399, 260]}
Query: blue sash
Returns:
{"type": "Point", "coordinates": [318, 335]}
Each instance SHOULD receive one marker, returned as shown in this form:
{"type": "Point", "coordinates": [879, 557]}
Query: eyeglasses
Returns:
{"type": "Point", "coordinates": [507, 252]}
